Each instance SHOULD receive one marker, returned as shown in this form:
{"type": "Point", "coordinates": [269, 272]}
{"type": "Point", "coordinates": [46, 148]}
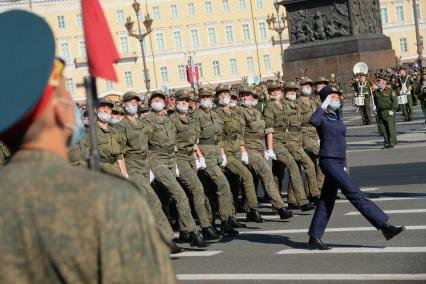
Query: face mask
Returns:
{"type": "Point", "coordinates": [77, 128]}
{"type": "Point", "coordinates": [254, 102]}
{"type": "Point", "coordinates": [274, 98]}
{"type": "Point", "coordinates": [232, 105]}
{"type": "Point", "coordinates": [306, 91]}
{"type": "Point", "coordinates": [86, 121]}
{"type": "Point", "coordinates": [132, 110]}
{"type": "Point", "coordinates": [182, 108]}
{"type": "Point", "coordinates": [104, 117]}
{"type": "Point", "coordinates": [205, 104]}
{"type": "Point", "coordinates": [157, 106]}
{"type": "Point", "coordinates": [115, 121]}
{"type": "Point", "coordinates": [334, 105]}
{"type": "Point", "coordinates": [246, 103]}
{"type": "Point", "coordinates": [224, 102]}
{"type": "Point", "coordinates": [319, 89]}
{"type": "Point", "coordinates": [291, 97]}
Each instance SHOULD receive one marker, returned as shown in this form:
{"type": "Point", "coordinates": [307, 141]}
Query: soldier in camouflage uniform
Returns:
{"type": "Point", "coordinates": [209, 131]}
{"type": "Point", "coordinates": [254, 141]}
{"type": "Point", "coordinates": [236, 154]}
{"type": "Point", "coordinates": [117, 115]}
{"type": "Point", "coordinates": [421, 92]}
{"type": "Point", "coordinates": [275, 140]}
{"type": "Point", "coordinates": [293, 138]}
{"type": "Point", "coordinates": [161, 137]}
{"type": "Point", "coordinates": [186, 139]}
{"type": "Point", "coordinates": [62, 224]}
{"type": "Point", "coordinates": [4, 154]}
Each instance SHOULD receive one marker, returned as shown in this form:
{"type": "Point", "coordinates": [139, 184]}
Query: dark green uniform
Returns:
{"type": "Point", "coordinates": [386, 105]}
{"type": "Point", "coordinates": [4, 154]}
{"type": "Point", "coordinates": [421, 95]}
{"type": "Point", "coordinates": [363, 90]}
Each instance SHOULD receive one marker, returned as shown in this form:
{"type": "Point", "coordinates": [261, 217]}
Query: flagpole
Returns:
{"type": "Point", "coordinates": [92, 102]}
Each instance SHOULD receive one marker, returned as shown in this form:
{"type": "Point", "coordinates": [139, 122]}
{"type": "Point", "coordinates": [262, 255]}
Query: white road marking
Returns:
{"type": "Point", "coordinates": [196, 253]}
{"type": "Point", "coordinates": [356, 250]}
{"type": "Point", "coordinates": [367, 189]}
{"type": "Point", "coordinates": [387, 199]}
{"type": "Point", "coordinates": [329, 230]}
{"type": "Point", "coordinates": [286, 277]}
{"type": "Point", "coordinates": [353, 213]}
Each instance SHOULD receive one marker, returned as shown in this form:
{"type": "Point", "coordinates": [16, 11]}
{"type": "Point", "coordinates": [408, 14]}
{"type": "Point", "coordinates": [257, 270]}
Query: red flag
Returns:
{"type": "Point", "coordinates": [100, 48]}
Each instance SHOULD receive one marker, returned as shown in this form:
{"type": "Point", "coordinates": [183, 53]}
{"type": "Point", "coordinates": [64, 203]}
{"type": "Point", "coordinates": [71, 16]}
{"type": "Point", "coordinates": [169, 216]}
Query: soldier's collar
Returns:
{"type": "Point", "coordinates": [36, 155]}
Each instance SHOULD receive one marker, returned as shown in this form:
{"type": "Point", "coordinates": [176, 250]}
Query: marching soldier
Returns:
{"type": "Point", "coordinates": [363, 91]}
{"type": "Point", "coordinates": [404, 86]}
{"type": "Point", "coordinates": [386, 104]}
{"type": "Point", "coordinates": [117, 115]}
{"type": "Point", "coordinates": [421, 92]}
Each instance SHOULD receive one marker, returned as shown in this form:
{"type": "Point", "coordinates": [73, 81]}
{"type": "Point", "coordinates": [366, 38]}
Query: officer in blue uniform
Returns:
{"type": "Point", "coordinates": [331, 130]}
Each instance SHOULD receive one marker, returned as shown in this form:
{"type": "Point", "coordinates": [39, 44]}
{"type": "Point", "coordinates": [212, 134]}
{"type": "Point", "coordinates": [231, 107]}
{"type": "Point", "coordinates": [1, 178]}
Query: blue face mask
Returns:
{"type": "Point", "coordinates": [182, 108]}
{"type": "Point", "coordinates": [157, 106]}
{"type": "Point", "coordinates": [246, 103]}
{"type": "Point", "coordinates": [132, 109]}
{"type": "Point", "coordinates": [254, 102]}
{"type": "Point", "coordinates": [104, 117]}
{"type": "Point", "coordinates": [224, 102]}
{"type": "Point", "coordinates": [334, 105]}
{"type": "Point", "coordinates": [205, 104]}
{"type": "Point", "coordinates": [78, 129]}
{"type": "Point", "coordinates": [115, 121]}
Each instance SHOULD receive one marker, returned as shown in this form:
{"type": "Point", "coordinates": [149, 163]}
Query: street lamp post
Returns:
{"type": "Point", "coordinates": [141, 36]}
{"type": "Point", "coordinates": [278, 24]}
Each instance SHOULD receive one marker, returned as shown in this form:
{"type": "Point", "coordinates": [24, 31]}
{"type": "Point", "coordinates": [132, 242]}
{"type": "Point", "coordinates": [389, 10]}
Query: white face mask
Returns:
{"type": "Point", "coordinates": [246, 103]}
{"type": "Point", "coordinates": [224, 101]}
{"type": "Point", "coordinates": [182, 108]}
{"type": "Point", "coordinates": [291, 97]}
{"type": "Point", "coordinates": [306, 91]}
{"type": "Point", "coordinates": [157, 106]}
{"type": "Point", "coordinates": [254, 102]}
{"type": "Point", "coordinates": [206, 104]}
{"type": "Point", "coordinates": [115, 121]}
{"type": "Point", "coordinates": [104, 117]}
{"type": "Point", "coordinates": [132, 110]}
{"type": "Point", "coordinates": [232, 104]}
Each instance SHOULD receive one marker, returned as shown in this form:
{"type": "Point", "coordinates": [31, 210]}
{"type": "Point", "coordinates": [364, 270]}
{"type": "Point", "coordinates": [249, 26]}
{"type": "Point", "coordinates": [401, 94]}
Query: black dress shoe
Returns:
{"type": "Point", "coordinates": [390, 231]}
{"type": "Point", "coordinates": [227, 230]}
{"type": "Point", "coordinates": [184, 237]}
{"type": "Point", "coordinates": [317, 244]}
{"type": "Point", "coordinates": [307, 207]}
{"type": "Point", "coordinates": [235, 224]}
{"type": "Point", "coordinates": [285, 214]}
{"type": "Point", "coordinates": [293, 206]}
{"type": "Point", "coordinates": [314, 199]}
{"type": "Point", "coordinates": [197, 240]}
{"type": "Point", "coordinates": [174, 248]}
{"type": "Point", "coordinates": [210, 234]}
{"type": "Point", "coordinates": [254, 216]}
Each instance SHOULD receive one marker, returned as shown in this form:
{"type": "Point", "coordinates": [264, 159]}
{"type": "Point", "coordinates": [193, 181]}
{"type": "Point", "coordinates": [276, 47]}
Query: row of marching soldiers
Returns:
{"type": "Point", "coordinates": [211, 145]}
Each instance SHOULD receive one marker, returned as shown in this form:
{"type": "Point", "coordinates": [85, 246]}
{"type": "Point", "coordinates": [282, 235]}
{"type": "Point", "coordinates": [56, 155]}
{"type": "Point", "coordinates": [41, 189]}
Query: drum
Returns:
{"type": "Point", "coordinates": [402, 99]}
{"type": "Point", "coordinates": [359, 101]}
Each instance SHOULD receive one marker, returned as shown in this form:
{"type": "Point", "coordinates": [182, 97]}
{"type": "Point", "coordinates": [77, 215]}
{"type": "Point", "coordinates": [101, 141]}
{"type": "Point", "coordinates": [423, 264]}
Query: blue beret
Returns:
{"type": "Point", "coordinates": [329, 90]}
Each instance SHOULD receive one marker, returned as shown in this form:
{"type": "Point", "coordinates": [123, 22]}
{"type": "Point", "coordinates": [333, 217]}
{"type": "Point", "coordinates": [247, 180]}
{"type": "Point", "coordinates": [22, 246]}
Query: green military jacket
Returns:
{"type": "Point", "coordinates": [385, 99]}
{"type": "Point", "coordinates": [161, 137]}
{"type": "Point", "coordinates": [293, 122]}
{"type": "Point", "coordinates": [421, 91]}
{"type": "Point", "coordinates": [254, 128]}
{"type": "Point", "coordinates": [232, 133]}
{"type": "Point", "coordinates": [79, 153]}
{"type": "Point", "coordinates": [308, 107]}
{"type": "Point", "coordinates": [4, 154]}
{"type": "Point", "coordinates": [274, 121]}
{"type": "Point", "coordinates": [186, 129]}
{"type": "Point", "coordinates": [208, 133]}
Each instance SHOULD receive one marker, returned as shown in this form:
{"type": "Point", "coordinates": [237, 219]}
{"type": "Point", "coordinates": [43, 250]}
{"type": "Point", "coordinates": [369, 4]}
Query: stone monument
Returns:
{"type": "Point", "coordinates": [329, 36]}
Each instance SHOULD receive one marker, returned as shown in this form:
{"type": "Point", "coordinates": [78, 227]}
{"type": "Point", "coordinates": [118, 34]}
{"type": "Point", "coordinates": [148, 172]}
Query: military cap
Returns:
{"type": "Point", "coordinates": [234, 94]}
{"type": "Point", "coordinates": [118, 109]}
{"type": "Point", "coordinates": [244, 89]}
{"type": "Point", "coordinates": [105, 101]}
{"type": "Point", "coordinates": [157, 94]}
{"type": "Point", "coordinates": [290, 85]}
{"type": "Point", "coordinates": [183, 94]}
{"type": "Point", "coordinates": [27, 53]}
{"type": "Point", "coordinates": [322, 79]}
{"type": "Point", "coordinates": [274, 85]}
{"type": "Point", "coordinates": [204, 91]}
{"type": "Point", "coordinates": [329, 90]}
{"type": "Point", "coordinates": [306, 80]}
{"type": "Point", "coordinates": [382, 75]}
{"type": "Point", "coordinates": [221, 88]}
{"type": "Point", "coordinates": [130, 95]}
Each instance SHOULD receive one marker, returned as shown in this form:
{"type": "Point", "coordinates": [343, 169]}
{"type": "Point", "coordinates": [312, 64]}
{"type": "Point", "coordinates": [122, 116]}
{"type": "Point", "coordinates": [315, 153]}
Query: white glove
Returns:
{"type": "Point", "coordinates": [319, 142]}
{"type": "Point", "coordinates": [151, 176]}
{"type": "Point", "coordinates": [224, 161]}
{"type": "Point", "coordinates": [202, 163]}
{"type": "Point", "coordinates": [245, 158]}
{"type": "Point", "coordinates": [197, 164]}
{"type": "Point", "coordinates": [326, 102]}
{"type": "Point", "coordinates": [177, 172]}
{"type": "Point", "coordinates": [391, 112]}
{"type": "Point", "coordinates": [270, 155]}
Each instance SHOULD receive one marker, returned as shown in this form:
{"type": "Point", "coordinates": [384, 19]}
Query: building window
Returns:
{"type": "Point", "coordinates": [384, 15]}
{"type": "Point", "coordinates": [243, 6]}
{"type": "Point", "coordinates": [233, 65]}
{"type": "Point", "coordinates": [173, 11]}
{"type": "Point", "coordinates": [195, 38]}
{"type": "Point", "coordinates": [267, 63]}
{"type": "Point", "coordinates": [211, 31]}
{"type": "Point", "coordinates": [229, 34]}
{"type": "Point", "coordinates": [200, 70]}
{"type": "Point", "coordinates": [128, 78]}
{"type": "Point", "coordinates": [263, 31]}
{"type": "Point", "coordinates": [79, 20]}
{"type": "Point", "coordinates": [259, 4]}
{"type": "Point", "coordinates": [403, 44]}
{"type": "Point", "coordinates": [160, 41]}
{"type": "Point", "coordinates": [65, 51]}
{"type": "Point", "coordinates": [225, 4]}
{"type": "Point", "coordinates": [164, 75]}
{"type": "Point", "coordinates": [69, 85]}
{"type": "Point", "coordinates": [191, 9]}
{"type": "Point", "coordinates": [182, 72]}
{"type": "Point", "coordinates": [400, 14]}
{"type": "Point", "coordinates": [209, 9]}
{"type": "Point", "coordinates": [61, 22]}
{"type": "Point", "coordinates": [250, 65]}
{"type": "Point", "coordinates": [82, 48]}
{"type": "Point", "coordinates": [177, 38]}
{"type": "Point", "coordinates": [120, 16]}
{"type": "Point", "coordinates": [246, 32]}
{"type": "Point", "coordinates": [418, 10]}
{"type": "Point", "coordinates": [108, 84]}
{"type": "Point", "coordinates": [216, 68]}
{"type": "Point", "coordinates": [124, 44]}
{"type": "Point", "coordinates": [156, 12]}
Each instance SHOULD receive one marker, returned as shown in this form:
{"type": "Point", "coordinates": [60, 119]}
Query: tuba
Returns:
{"type": "Point", "coordinates": [360, 68]}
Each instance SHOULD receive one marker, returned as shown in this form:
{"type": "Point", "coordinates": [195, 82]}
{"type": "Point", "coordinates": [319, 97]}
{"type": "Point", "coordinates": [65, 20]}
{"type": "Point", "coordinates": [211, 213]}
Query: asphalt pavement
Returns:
{"type": "Point", "coordinates": [276, 251]}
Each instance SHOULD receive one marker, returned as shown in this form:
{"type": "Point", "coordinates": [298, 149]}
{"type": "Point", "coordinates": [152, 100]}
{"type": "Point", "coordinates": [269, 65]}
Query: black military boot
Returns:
{"type": "Point", "coordinates": [307, 207]}
{"type": "Point", "coordinates": [184, 237]}
{"type": "Point", "coordinates": [293, 206]}
{"type": "Point", "coordinates": [197, 240]}
{"type": "Point", "coordinates": [235, 224]}
{"type": "Point", "coordinates": [314, 199]}
{"type": "Point", "coordinates": [390, 231]}
{"type": "Point", "coordinates": [210, 234]}
{"type": "Point", "coordinates": [254, 216]}
{"type": "Point", "coordinates": [285, 214]}
{"type": "Point", "coordinates": [317, 244]}
{"type": "Point", "coordinates": [174, 248]}
{"type": "Point", "coordinates": [227, 230]}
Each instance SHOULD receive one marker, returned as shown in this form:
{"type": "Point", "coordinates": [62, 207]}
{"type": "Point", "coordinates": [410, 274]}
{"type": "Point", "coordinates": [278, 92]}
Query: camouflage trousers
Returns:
{"type": "Point", "coordinates": [312, 148]}
{"type": "Point", "coordinates": [240, 171]}
{"type": "Point", "coordinates": [189, 180]}
{"type": "Point", "coordinates": [259, 165]}
{"type": "Point", "coordinates": [286, 160]}
{"type": "Point", "coordinates": [165, 175]}
{"type": "Point", "coordinates": [141, 178]}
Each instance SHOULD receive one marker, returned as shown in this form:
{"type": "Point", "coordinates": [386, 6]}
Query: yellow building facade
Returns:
{"type": "Point", "coordinates": [229, 39]}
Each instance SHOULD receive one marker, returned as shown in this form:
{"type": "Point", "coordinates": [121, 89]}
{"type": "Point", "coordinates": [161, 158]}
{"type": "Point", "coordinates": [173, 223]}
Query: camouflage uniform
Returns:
{"type": "Point", "coordinates": [78, 154]}
{"type": "Point", "coordinates": [4, 154]}
{"type": "Point", "coordinates": [75, 226]}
